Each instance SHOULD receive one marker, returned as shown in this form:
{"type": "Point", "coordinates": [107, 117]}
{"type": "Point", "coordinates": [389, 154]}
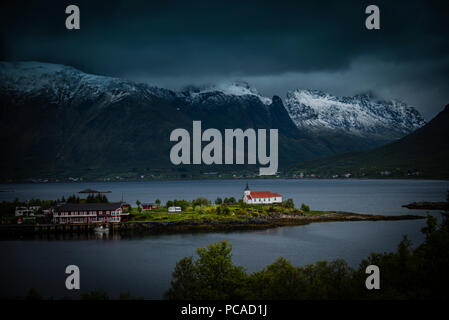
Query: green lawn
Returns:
{"type": "Point", "coordinates": [213, 212]}
{"type": "Point", "coordinates": [314, 213]}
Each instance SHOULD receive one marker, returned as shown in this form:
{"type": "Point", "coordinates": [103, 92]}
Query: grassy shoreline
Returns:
{"type": "Point", "coordinates": [160, 222]}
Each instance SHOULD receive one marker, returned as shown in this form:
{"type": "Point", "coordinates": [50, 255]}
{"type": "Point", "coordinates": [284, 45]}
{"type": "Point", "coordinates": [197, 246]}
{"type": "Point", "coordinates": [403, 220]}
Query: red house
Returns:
{"type": "Point", "coordinates": [149, 206]}
{"type": "Point", "coordinates": [82, 213]}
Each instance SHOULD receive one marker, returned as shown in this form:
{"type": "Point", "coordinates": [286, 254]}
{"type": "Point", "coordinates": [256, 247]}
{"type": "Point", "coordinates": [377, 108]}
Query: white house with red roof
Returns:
{"type": "Point", "coordinates": [260, 197]}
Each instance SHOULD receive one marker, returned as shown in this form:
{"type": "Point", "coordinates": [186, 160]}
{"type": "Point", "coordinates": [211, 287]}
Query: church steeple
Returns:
{"type": "Point", "coordinates": [247, 192]}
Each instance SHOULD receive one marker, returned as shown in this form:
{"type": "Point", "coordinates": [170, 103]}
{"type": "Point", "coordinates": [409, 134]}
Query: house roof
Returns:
{"type": "Point", "coordinates": [88, 206]}
{"type": "Point", "coordinates": [262, 194]}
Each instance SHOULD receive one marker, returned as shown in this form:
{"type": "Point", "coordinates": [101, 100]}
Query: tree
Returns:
{"type": "Point", "coordinates": [127, 296]}
{"type": "Point", "coordinates": [94, 295]}
{"type": "Point", "coordinates": [305, 207]}
{"type": "Point", "coordinates": [218, 201]}
{"type": "Point", "coordinates": [431, 225]}
{"type": "Point", "coordinates": [408, 273]}
{"type": "Point", "coordinates": [201, 201]}
{"type": "Point", "coordinates": [158, 202]}
{"type": "Point", "coordinates": [184, 285]}
{"type": "Point", "coordinates": [73, 199]}
{"type": "Point", "coordinates": [33, 294]}
{"type": "Point", "coordinates": [184, 204]}
{"type": "Point", "coordinates": [211, 276]}
{"type": "Point", "coordinates": [138, 203]}
{"type": "Point", "coordinates": [97, 198]}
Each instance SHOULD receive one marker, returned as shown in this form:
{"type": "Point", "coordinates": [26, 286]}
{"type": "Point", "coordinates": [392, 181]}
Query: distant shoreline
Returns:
{"type": "Point", "coordinates": [427, 205]}
{"type": "Point", "coordinates": [224, 179]}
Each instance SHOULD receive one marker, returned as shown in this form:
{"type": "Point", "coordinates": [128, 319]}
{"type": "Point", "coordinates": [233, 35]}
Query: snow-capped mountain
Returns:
{"type": "Point", "coordinates": [56, 117]}
{"type": "Point", "coordinates": [59, 120]}
{"type": "Point", "coordinates": [361, 115]}
{"type": "Point", "coordinates": [65, 84]}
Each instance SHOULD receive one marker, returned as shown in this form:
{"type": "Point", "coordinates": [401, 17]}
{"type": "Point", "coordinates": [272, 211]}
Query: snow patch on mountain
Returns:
{"type": "Point", "coordinates": [237, 88]}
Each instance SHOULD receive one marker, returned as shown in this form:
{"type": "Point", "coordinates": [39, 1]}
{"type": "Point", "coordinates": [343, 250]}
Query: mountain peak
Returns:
{"type": "Point", "coordinates": [234, 88]}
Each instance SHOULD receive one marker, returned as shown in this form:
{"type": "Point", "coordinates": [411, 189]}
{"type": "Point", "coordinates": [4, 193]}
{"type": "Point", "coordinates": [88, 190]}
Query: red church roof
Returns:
{"type": "Point", "coordinates": [262, 194]}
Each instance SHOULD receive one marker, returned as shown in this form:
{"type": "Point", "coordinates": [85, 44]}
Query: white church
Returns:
{"type": "Point", "coordinates": [260, 197]}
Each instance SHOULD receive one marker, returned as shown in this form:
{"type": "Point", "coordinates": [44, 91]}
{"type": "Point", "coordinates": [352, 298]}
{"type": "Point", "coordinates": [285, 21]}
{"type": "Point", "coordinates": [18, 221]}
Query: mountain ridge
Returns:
{"type": "Point", "coordinates": [59, 120]}
{"type": "Point", "coordinates": [63, 122]}
{"type": "Point", "coordinates": [423, 153]}
{"type": "Point", "coordinates": [361, 115]}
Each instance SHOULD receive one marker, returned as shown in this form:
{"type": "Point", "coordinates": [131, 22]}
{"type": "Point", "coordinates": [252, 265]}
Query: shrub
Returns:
{"type": "Point", "coordinates": [305, 207]}
{"type": "Point", "coordinates": [226, 211]}
{"type": "Point", "coordinates": [289, 203]}
{"type": "Point", "coordinates": [201, 201]}
{"type": "Point", "coordinates": [242, 212]}
{"type": "Point", "coordinates": [184, 204]}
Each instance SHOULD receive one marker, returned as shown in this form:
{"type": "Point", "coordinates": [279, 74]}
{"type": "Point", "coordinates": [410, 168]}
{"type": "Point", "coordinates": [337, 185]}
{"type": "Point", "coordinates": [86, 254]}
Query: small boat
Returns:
{"type": "Point", "coordinates": [101, 229]}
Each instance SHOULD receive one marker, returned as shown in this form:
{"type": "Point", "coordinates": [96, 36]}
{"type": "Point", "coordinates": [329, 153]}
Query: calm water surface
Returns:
{"type": "Point", "coordinates": [143, 265]}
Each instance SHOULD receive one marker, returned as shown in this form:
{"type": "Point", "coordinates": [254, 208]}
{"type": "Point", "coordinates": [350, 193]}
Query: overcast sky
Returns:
{"type": "Point", "coordinates": [274, 45]}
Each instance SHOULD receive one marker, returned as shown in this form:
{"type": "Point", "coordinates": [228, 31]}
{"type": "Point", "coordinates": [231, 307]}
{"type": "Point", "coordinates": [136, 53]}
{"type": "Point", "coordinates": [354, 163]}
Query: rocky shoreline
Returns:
{"type": "Point", "coordinates": [205, 225]}
{"type": "Point", "coordinates": [424, 205]}
{"type": "Point", "coordinates": [261, 222]}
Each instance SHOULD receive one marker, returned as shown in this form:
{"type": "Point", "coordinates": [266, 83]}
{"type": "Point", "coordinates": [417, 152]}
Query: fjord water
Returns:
{"type": "Point", "coordinates": [143, 265]}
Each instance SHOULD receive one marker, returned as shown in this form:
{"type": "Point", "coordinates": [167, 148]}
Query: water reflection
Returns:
{"type": "Point", "coordinates": [72, 236]}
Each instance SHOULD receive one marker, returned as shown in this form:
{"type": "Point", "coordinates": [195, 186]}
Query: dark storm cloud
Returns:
{"type": "Point", "coordinates": [279, 45]}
